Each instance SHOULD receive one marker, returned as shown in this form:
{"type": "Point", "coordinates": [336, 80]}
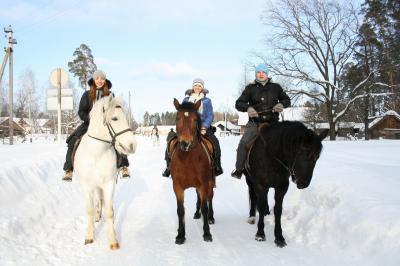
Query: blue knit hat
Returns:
{"type": "Point", "coordinates": [262, 67]}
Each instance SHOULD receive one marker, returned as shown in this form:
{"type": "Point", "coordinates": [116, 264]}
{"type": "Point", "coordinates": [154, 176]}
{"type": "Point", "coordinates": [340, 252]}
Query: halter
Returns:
{"type": "Point", "coordinates": [112, 133]}
{"type": "Point", "coordinates": [289, 169]}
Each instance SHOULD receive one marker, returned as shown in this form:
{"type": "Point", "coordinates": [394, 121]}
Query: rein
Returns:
{"type": "Point", "coordinates": [112, 133]}
{"type": "Point", "coordinates": [289, 169]}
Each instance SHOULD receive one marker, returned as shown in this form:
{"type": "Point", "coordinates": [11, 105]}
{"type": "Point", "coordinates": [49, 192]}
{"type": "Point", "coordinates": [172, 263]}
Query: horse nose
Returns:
{"type": "Point", "coordinates": [185, 145]}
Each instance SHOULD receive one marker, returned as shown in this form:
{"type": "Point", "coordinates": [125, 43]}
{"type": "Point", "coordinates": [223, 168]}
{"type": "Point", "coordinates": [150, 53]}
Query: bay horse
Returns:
{"type": "Point", "coordinates": [281, 150]}
{"type": "Point", "coordinates": [95, 161]}
{"type": "Point", "coordinates": [191, 166]}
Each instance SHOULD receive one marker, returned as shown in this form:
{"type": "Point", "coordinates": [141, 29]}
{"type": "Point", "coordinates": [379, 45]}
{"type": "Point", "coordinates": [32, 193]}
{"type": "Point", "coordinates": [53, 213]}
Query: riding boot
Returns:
{"type": "Point", "coordinates": [124, 172]}
{"type": "Point", "coordinates": [67, 176]}
{"type": "Point", "coordinates": [237, 173]}
{"type": "Point", "coordinates": [167, 172]}
{"type": "Point", "coordinates": [218, 167]}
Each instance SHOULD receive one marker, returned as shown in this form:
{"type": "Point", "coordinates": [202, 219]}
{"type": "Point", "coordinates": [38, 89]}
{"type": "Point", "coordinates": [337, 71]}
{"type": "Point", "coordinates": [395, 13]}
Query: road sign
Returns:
{"type": "Point", "coordinates": [66, 103]}
{"type": "Point", "coordinates": [59, 77]}
{"type": "Point", "coordinates": [64, 93]}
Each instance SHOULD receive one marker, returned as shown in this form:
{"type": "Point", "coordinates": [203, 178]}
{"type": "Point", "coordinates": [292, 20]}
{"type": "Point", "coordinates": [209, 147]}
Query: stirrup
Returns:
{"type": "Point", "coordinates": [124, 172]}
{"type": "Point", "coordinates": [67, 176]}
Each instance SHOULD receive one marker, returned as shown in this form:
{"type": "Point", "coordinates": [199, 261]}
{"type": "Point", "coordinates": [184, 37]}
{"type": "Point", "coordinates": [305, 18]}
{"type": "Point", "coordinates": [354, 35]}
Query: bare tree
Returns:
{"type": "Point", "coordinates": [313, 40]}
{"type": "Point", "coordinates": [27, 98]}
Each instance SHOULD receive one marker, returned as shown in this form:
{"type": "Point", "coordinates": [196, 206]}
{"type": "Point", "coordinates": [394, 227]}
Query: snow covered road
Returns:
{"type": "Point", "coordinates": [350, 214]}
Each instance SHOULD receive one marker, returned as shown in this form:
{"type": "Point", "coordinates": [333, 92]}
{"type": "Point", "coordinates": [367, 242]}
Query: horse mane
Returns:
{"type": "Point", "coordinates": [104, 104]}
{"type": "Point", "coordinates": [287, 136]}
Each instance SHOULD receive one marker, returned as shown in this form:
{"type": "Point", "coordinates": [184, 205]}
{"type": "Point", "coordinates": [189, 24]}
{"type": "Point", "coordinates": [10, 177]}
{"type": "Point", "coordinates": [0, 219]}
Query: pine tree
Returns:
{"type": "Point", "coordinates": [82, 66]}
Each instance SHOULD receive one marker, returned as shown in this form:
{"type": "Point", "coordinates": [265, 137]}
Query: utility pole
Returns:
{"type": "Point", "coordinates": [129, 110]}
{"type": "Point", "coordinates": [9, 56]}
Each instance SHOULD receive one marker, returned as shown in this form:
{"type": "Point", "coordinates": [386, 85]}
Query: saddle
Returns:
{"type": "Point", "coordinates": [206, 143]}
{"type": "Point", "coordinates": [76, 144]}
{"type": "Point", "coordinates": [249, 145]}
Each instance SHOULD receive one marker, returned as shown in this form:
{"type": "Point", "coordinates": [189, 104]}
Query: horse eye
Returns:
{"type": "Point", "coordinates": [114, 119]}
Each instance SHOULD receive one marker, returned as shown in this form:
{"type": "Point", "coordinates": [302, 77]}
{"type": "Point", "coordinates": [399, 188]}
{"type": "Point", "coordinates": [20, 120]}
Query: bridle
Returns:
{"type": "Point", "coordinates": [198, 134]}
{"type": "Point", "coordinates": [291, 168]}
{"type": "Point", "coordinates": [112, 132]}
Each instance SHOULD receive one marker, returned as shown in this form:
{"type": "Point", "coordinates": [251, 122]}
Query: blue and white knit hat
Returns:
{"type": "Point", "coordinates": [198, 82]}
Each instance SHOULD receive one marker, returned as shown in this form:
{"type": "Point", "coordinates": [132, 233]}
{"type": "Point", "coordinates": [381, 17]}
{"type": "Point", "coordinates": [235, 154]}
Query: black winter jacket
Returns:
{"type": "Point", "coordinates": [85, 105]}
{"type": "Point", "coordinates": [263, 99]}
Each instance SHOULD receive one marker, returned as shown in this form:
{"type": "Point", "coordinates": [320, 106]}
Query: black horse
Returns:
{"type": "Point", "coordinates": [281, 150]}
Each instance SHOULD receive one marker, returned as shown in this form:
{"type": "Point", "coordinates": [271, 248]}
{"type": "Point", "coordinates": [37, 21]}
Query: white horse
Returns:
{"type": "Point", "coordinates": [95, 161]}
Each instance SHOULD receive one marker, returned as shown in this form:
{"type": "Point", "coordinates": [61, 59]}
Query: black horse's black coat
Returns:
{"type": "Point", "coordinates": [281, 150]}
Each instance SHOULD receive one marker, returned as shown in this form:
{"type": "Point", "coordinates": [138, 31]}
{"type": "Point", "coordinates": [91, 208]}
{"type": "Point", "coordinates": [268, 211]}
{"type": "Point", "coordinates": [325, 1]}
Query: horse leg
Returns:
{"type": "Point", "coordinates": [198, 204]}
{"type": "Point", "coordinates": [209, 201]}
{"type": "Point", "coordinates": [252, 202]}
{"type": "Point", "coordinates": [98, 203]}
{"type": "Point", "coordinates": [261, 204]}
{"type": "Point", "coordinates": [179, 194]}
{"type": "Point", "coordinates": [279, 195]}
{"type": "Point", "coordinates": [108, 192]}
{"type": "Point", "coordinates": [90, 216]}
{"type": "Point", "coordinates": [267, 212]}
{"type": "Point", "coordinates": [204, 211]}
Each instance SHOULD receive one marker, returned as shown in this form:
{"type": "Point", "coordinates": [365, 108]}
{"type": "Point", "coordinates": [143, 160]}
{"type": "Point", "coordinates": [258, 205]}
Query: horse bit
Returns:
{"type": "Point", "coordinates": [112, 133]}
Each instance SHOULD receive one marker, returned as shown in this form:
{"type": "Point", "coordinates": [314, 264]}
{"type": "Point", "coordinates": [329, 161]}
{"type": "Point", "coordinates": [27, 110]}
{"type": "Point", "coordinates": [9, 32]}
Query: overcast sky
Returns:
{"type": "Point", "coordinates": [152, 48]}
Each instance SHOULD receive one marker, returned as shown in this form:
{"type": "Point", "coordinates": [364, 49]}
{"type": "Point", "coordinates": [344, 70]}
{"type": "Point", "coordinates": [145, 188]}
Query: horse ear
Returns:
{"type": "Point", "coordinates": [176, 103]}
{"type": "Point", "coordinates": [323, 134]}
{"type": "Point", "coordinates": [197, 105]}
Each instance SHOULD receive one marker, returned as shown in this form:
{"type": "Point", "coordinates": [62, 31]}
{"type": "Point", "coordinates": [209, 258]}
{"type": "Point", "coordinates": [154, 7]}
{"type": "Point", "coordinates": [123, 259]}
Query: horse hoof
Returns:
{"type": "Point", "coordinates": [180, 240]}
{"type": "Point", "coordinates": [251, 220]}
{"type": "Point", "coordinates": [207, 238]}
{"type": "Point", "coordinates": [88, 241]}
{"type": "Point", "coordinates": [114, 246]}
{"type": "Point", "coordinates": [260, 238]}
{"type": "Point", "coordinates": [197, 215]}
{"type": "Point", "coordinates": [211, 221]}
{"type": "Point", "coordinates": [280, 243]}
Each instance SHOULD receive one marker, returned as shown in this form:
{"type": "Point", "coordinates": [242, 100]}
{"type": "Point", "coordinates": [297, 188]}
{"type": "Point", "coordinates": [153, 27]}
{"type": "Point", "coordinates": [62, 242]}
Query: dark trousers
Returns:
{"type": "Point", "coordinates": [250, 133]}
{"type": "Point", "coordinates": [77, 134]}
{"type": "Point", "coordinates": [122, 159]}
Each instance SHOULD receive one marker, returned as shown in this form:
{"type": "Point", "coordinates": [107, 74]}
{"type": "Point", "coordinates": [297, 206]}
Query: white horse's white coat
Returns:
{"type": "Point", "coordinates": [95, 162]}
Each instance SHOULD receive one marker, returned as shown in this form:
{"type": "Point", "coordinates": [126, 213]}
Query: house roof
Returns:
{"type": "Point", "coordinates": [388, 113]}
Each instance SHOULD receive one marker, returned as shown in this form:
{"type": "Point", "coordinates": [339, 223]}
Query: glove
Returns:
{"type": "Point", "coordinates": [278, 108]}
{"type": "Point", "coordinates": [203, 131]}
{"type": "Point", "coordinates": [252, 112]}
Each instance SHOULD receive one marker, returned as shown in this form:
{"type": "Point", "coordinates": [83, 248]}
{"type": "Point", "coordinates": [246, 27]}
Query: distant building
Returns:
{"type": "Point", "coordinates": [228, 129]}
{"type": "Point", "coordinates": [18, 130]}
{"type": "Point", "coordinates": [387, 126]}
